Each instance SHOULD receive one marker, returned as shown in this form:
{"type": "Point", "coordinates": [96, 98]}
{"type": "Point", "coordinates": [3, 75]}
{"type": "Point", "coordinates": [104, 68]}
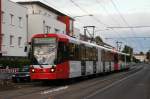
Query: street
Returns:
{"type": "Point", "coordinates": [132, 84]}
{"type": "Point", "coordinates": [74, 49]}
{"type": "Point", "coordinates": [136, 86]}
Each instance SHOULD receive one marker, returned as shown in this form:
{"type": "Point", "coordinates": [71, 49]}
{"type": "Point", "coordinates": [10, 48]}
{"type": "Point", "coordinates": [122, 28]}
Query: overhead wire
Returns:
{"type": "Point", "coordinates": [124, 20]}
{"type": "Point", "coordinates": [95, 18]}
{"type": "Point", "coordinates": [103, 7]}
{"type": "Point", "coordinates": [121, 16]}
{"type": "Point", "coordinates": [86, 12]}
{"type": "Point", "coordinates": [107, 12]}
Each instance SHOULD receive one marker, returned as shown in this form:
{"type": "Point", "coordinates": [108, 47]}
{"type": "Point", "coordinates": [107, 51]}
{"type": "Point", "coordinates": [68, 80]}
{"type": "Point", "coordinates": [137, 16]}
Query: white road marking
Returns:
{"type": "Point", "coordinates": [109, 86]}
{"type": "Point", "coordinates": [54, 90]}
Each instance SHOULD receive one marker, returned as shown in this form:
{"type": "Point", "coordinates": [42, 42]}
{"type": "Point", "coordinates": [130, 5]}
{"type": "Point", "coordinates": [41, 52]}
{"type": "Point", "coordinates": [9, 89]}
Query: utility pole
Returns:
{"type": "Point", "coordinates": [0, 27]}
{"type": "Point", "coordinates": [86, 30]}
{"type": "Point", "coordinates": [80, 17]}
{"type": "Point", "coordinates": [84, 33]}
{"type": "Point", "coordinates": [118, 45]}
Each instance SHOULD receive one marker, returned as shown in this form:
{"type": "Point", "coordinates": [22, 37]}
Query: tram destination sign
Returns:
{"type": "Point", "coordinates": [44, 40]}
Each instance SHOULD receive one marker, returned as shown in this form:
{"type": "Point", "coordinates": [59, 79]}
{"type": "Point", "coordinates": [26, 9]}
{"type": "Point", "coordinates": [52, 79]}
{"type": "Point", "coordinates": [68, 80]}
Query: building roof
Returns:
{"type": "Point", "coordinates": [44, 6]}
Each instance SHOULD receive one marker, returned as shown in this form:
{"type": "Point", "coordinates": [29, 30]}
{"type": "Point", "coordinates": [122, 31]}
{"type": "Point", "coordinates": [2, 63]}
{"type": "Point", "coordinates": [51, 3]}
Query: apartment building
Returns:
{"type": "Point", "coordinates": [13, 34]}
{"type": "Point", "coordinates": [45, 19]}
{"type": "Point", "coordinates": [21, 20]}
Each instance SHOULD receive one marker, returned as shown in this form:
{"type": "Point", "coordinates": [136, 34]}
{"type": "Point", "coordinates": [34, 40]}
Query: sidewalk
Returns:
{"type": "Point", "coordinates": [6, 84]}
{"type": "Point", "coordinates": [5, 81]}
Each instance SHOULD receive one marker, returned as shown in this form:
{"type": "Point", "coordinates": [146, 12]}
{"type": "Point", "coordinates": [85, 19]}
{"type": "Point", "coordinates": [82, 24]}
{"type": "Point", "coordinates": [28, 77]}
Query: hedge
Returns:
{"type": "Point", "coordinates": [16, 63]}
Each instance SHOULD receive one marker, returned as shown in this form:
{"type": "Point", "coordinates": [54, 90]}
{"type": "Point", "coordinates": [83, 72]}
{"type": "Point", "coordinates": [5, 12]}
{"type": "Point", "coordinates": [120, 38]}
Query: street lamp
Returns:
{"type": "Point", "coordinates": [119, 44]}
{"type": "Point", "coordinates": [82, 16]}
{"type": "Point", "coordinates": [78, 17]}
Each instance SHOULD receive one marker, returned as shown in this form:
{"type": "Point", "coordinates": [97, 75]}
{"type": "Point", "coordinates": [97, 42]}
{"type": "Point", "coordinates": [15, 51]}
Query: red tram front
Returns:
{"type": "Point", "coordinates": [48, 57]}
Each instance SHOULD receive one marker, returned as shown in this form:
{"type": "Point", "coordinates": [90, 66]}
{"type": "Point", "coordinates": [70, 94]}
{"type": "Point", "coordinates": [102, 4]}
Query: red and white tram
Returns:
{"type": "Point", "coordinates": [58, 56]}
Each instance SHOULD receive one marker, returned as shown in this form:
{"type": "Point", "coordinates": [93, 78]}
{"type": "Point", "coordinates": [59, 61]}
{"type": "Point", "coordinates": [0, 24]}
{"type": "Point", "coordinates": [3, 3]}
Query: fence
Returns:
{"type": "Point", "coordinates": [13, 70]}
{"type": "Point", "coordinates": [7, 73]}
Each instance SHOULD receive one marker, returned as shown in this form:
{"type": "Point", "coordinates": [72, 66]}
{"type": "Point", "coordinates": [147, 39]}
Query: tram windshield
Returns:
{"type": "Point", "coordinates": [44, 50]}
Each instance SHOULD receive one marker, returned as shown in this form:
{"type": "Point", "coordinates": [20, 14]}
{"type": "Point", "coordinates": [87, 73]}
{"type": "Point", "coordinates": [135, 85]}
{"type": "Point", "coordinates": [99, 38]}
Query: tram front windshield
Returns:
{"type": "Point", "coordinates": [44, 50]}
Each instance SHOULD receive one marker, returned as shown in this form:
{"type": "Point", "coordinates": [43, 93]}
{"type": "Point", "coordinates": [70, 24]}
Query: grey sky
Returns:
{"type": "Point", "coordinates": [111, 13]}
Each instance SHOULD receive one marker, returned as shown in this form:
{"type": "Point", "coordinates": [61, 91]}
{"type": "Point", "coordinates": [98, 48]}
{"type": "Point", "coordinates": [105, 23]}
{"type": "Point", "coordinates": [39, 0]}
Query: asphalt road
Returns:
{"type": "Point", "coordinates": [132, 84]}
{"type": "Point", "coordinates": [135, 86]}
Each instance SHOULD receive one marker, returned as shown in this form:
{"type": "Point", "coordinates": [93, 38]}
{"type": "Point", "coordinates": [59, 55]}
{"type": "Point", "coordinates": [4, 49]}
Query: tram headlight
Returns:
{"type": "Point", "coordinates": [32, 70]}
{"type": "Point", "coordinates": [27, 75]}
{"type": "Point", "coordinates": [52, 70]}
{"type": "Point", "coordinates": [14, 75]}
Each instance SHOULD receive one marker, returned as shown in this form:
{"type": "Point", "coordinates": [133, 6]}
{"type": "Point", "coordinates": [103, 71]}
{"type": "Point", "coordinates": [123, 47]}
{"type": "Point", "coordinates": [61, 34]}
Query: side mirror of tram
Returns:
{"type": "Point", "coordinates": [25, 49]}
{"type": "Point", "coordinates": [55, 61]}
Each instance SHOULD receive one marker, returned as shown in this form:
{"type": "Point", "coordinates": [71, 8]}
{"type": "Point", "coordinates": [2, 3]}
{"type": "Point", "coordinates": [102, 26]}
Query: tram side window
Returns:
{"type": "Point", "coordinates": [87, 53]}
{"type": "Point", "coordinates": [112, 56]}
{"type": "Point", "coordinates": [103, 55]}
{"type": "Point", "coordinates": [82, 52]}
{"type": "Point", "coordinates": [94, 54]}
{"type": "Point", "coordinates": [77, 52]}
{"type": "Point", "coordinates": [73, 51]}
{"type": "Point", "coordinates": [123, 58]}
{"type": "Point", "coordinates": [109, 56]}
{"type": "Point", "coordinates": [116, 58]}
{"type": "Point", "coordinates": [91, 54]}
{"type": "Point", "coordinates": [62, 52]}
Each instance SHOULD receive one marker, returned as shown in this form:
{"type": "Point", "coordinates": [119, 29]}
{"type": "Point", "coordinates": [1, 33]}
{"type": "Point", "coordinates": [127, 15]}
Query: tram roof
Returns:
{"type": "Point", "coordinates": [77, 41]}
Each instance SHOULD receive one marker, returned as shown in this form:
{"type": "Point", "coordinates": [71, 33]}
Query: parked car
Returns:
{"type": "Point", "coordinates": [22, 75]}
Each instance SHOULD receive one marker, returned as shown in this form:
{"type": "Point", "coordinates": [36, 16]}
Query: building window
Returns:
{"type": "Point", "coordinates": [20, 22]}
{"type": "Point", "coordinates": [57, 30]}
{"type": "Point", "coordinates": [3, 17]}
{"type": "Point", "coordinates": [40, 11]}
{"type": "Point", "coordinates": [49, 15]}
{"type": "Point", "coordinates": [47, 29]}
{"type": "Point", "coordinates": [19, 41]}
{"type": "Point", "coordinates": [11, 19]}
{"type": "Point", "coordinates": [71, 25]}
{"type": "Point", "coordinates": [2, 37]}
{"type": "Point", "coordinates": [11, 40]}
{"type": "Point", "coordinates": [45, 13]}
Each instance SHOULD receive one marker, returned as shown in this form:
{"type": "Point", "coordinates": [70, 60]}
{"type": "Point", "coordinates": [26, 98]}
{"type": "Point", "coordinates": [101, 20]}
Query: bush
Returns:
{"type": "Point", "coordinates": [15, 63]}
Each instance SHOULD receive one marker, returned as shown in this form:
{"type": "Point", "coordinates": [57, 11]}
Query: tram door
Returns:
{"type": "Point", "coordinates": [94, 67]}
{"type": "Point", "coordinates": [83, 68]}
{"type": "Point", "coordinates": [110, 66]}
{"type": "Point", "coordinates": [103, 66]}
{"type": "Point", "coordinates": [103, 59]}
{"type": "Point", "coordinates": [83, 59]}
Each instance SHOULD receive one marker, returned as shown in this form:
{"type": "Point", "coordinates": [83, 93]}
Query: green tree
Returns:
{"type": "Point", "coordinates": [128, 50]}
{"type": "Point", "coordinates": [148, 55]}
{"type": "Point", "coordinates": [141, 53]}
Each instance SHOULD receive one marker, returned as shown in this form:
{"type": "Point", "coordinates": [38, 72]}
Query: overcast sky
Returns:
{"type": "Point", "coordinates": [111, 13]}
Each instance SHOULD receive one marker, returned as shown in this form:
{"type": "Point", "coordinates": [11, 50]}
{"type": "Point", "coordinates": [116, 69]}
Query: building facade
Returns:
{"type": "Point", "coordinates": [141, 57]}
{"type": "Point", "coordinates": [21, 20]}
{"type": "Point", "coordinates": [13, 29]}
{"type": "Point", "coordinates": [77, 33]}
{"type": "Point", "coordinates": [44, 19]}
